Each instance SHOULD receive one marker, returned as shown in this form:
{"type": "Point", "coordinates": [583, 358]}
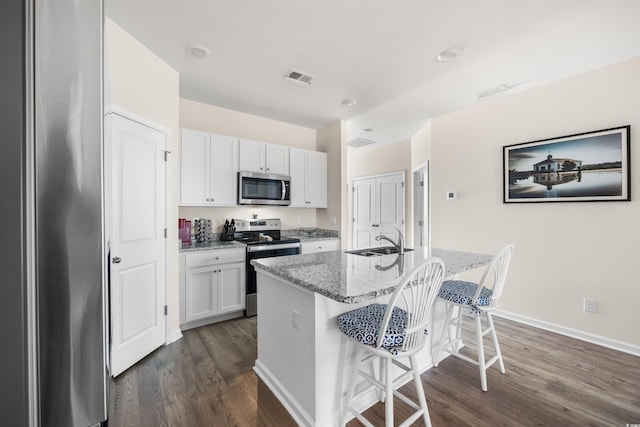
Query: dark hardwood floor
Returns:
{"type": "Point", "coordinates": [206, 379]}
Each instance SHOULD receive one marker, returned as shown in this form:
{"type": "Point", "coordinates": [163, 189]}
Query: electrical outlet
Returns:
{"type": "Point", "coordinates": [295, 319]}
{"type": "Point", "coordinates": [590, 305]}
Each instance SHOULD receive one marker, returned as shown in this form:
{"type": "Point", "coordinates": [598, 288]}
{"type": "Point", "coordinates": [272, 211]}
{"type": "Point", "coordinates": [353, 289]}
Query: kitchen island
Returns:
{"type": "Point", "coordinates": [302, 356]}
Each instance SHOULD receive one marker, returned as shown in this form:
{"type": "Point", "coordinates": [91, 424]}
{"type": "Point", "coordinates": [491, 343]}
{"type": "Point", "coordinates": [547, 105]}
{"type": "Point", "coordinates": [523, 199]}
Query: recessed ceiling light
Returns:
{"type": "Point", "coordinates": [448, 55]}
{"type": "Point", "coordinates": [198, 50]}
{"type": "Point", "coordinates": [349, 102]}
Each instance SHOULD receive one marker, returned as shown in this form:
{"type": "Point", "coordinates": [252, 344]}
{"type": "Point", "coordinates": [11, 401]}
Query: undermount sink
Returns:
{"type": "Point", "coordinates": [384, 250]}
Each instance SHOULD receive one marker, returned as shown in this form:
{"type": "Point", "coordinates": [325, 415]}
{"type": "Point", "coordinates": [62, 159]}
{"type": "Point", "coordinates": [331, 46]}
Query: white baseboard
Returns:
{"type": "Point", "coordinates": [175, 336]}
{"type": "Point", "coordinates": [573, 333]}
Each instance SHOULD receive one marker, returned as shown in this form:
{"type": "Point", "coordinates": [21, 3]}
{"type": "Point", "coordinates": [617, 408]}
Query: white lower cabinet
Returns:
{"type": "Point", "coordinates": [320, 246]}
{"type": "Point", "coordinates": [212, 284]}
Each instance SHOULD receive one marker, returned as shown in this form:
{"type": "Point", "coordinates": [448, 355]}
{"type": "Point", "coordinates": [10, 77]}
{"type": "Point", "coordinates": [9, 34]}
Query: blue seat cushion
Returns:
{"type": "Point", "coordinates": [462, 293]}
{"type": "Point", "coordinates": [363, 325]}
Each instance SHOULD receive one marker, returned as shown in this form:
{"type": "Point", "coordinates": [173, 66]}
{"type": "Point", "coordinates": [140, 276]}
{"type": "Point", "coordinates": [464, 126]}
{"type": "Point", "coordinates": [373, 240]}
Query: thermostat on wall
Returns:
{"type": "Point", "coordinates": [451, 195]}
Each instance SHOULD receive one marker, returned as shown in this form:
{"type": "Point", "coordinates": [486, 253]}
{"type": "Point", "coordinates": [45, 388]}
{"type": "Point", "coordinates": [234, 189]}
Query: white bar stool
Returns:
{"type": "Point", "coordinates": [390, 332]}
{"type": "Point", "coordinates": [481, 298]}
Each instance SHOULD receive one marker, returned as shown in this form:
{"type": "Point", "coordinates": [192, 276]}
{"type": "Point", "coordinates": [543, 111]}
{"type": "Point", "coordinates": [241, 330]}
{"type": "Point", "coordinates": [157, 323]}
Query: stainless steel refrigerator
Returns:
{"type": "Point", "coordinates": [53, 359]}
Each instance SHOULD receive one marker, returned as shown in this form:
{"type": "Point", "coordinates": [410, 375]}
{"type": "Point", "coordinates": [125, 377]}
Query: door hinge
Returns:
{"type": "Point", "coordinates": [166, 310]}
{"type": "Point", "coordinates": [402, 184]}
{"type": "Point", "coordinates": [353, 220]}
{"type": "Point", "coordinates": [166, 155]}
{"type": "Point", "coordinates": [403, 222]}
{"type": "Point", "coordinates": [165, 233]}
{"type": "Point", "coordinates": [421, 184]}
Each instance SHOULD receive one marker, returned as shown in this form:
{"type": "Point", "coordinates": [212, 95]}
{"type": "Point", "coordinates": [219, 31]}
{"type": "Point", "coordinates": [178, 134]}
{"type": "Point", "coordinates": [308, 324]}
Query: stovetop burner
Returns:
{"type": "Point", "coordinates": [260, 232]}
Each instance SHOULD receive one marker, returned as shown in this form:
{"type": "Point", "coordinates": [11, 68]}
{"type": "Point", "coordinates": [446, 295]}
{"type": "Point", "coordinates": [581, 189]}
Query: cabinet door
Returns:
{"type": "Point", "coordinates": [231, 287]}
{"type": "Point", "coordinates": [194, 167]}
{"type": "Point", "coordinates": [297, 170]}
{"type": "Point", "coordinates": [316, 180]}
{"type": "Point", "coordinates": [277, 159]}
{"type": "Point", "coordinates": [223, 183]}
{"type": "Point", "coordinates": [201, 293]}
{"type": "Point", "coordinates": [251, 155]}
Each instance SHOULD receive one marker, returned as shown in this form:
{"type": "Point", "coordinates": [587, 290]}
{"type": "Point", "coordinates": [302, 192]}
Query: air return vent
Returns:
{"type": "Point", "coordinates": [494, 91]}
{"type": "Point", "coordinates": [299, 78]}
{"type": "Point", "coordinates": [360, 142]}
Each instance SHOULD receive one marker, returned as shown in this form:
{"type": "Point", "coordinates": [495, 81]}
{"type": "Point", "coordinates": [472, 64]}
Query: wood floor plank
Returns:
{"type": "Point", "coordinates": [206, 379]}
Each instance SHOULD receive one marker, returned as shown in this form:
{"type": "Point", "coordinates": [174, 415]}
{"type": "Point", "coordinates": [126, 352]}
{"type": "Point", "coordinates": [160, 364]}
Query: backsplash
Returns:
{"type": "Point", "coordinates": [292, 218]}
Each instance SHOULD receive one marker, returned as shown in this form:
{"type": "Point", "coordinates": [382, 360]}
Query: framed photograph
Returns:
{"type": "Point", "coordinates": [585, 167]}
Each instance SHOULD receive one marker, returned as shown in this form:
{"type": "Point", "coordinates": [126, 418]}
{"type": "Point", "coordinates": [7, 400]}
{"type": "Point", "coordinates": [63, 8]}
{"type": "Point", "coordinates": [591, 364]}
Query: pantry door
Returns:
{"type": "Point", "coordinates": [378, 209]}
{"type": "Point", "coordinates": [137, 233]}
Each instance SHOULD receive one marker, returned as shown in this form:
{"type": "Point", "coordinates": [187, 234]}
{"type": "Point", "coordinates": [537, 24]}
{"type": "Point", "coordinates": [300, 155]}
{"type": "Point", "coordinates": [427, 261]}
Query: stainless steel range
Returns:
{"type": "Point", "coordinates": [263, 240]}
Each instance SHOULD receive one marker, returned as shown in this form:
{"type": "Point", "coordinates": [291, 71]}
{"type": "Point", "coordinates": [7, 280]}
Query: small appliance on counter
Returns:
{"type": "Point", "coordinates": [184, 231]}
{"type": "Point", "coordinates": [228, 230]}
{"type": "Point", "coordinates": [202, 230]}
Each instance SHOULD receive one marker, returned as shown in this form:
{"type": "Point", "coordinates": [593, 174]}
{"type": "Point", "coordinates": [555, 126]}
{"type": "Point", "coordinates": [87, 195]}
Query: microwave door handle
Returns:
{"type": "Point", "coordinates": [284, 190]}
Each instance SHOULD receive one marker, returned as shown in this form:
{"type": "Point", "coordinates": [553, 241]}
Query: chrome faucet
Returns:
{"type": "Point", "coordinates": [399, 246]}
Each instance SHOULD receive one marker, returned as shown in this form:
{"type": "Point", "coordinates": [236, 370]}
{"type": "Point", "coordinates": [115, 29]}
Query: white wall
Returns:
{"type": "Point", "coordinates": [139, 82]}
{"type": "Point", "coordinates": [421, 146]}
{"type": "Point", "coordinates": [331, 139]}
{"type": "Point", "coordinates": [209, 118]}
{"type": "Point", "coordinates": [595, 245]}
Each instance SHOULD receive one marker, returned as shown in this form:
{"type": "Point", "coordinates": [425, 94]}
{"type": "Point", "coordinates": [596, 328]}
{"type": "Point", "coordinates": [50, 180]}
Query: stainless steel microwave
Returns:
{"type": "Point", "coordinates": [263, 189]}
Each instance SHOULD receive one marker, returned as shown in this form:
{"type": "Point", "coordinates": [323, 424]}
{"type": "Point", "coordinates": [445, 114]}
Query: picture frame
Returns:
{"type": "Point", "coordinates": [584, 167]}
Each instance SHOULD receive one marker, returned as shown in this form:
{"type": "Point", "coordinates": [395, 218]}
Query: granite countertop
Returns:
{"type": "Point", "coordinates": [350, 278]}
{"type": "Point", "coordinates": [214, 244]}
{"type": "Point", "coordinates": [222, 244]}
{"type": "Point", "coordinates": [313, 238]}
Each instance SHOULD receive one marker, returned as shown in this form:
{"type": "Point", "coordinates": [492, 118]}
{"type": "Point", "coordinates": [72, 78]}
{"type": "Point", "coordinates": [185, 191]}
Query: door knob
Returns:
{"type": "Point", "coordinates": [116, 260]}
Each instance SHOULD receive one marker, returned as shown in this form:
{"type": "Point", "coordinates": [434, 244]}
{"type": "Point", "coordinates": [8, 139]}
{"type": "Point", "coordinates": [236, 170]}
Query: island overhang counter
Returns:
{"type": "Point", "coordinates": [302, 356]}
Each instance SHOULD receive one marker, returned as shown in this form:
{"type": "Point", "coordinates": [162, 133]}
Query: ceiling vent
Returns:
{"type": "Point", "coordinates": [360, 142]}
{"type": "Point", "coordinates": [492, 92]}
{"type": "Point", "coordinates": [299, 78]}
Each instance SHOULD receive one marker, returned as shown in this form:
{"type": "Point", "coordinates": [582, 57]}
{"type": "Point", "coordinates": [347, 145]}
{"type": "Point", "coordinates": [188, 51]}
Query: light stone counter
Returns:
{"type": "Point", "coordinates": [213, 244]}
{"type": "Point", "coordinates": [302, 356]}
{"type": "Point", "coordinates": [350, 278]}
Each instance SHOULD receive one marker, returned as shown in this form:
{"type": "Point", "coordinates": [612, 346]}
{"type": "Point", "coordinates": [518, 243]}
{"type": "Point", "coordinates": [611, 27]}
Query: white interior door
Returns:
{"type": "Point", "coordinates": [378, 208]}
{"type": "Point", "coordinates": [137, 234]}
{"type": "Point", "coordinates": [364, 209]}
{"type": "Point", "coordinates": [390, 205]}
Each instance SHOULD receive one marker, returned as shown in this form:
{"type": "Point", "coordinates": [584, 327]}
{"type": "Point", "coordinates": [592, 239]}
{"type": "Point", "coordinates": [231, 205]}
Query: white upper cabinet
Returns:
{"type": "Point", "coordinates": [308, 170]}
{"type": "Point", "coordinates": [256, 156]}
{"type": "Point", "coordinates": [209, 167]}
{"type": "Point", "coordinates": [277, 159]}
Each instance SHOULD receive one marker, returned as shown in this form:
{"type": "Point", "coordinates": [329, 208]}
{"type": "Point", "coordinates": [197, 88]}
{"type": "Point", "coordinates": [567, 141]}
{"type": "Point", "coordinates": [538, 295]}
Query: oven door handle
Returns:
{"type": "Point", "coordinates": [258, 248]}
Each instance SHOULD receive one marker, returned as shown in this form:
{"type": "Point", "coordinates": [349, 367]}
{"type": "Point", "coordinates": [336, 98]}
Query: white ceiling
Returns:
{"type": "Point", "coordinates": [378, 52]}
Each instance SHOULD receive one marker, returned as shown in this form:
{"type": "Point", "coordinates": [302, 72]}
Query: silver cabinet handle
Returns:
{"type": "Point", "coordinates": [116, 260]}
{"type": "Point", "coordinates": [375, 225]}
